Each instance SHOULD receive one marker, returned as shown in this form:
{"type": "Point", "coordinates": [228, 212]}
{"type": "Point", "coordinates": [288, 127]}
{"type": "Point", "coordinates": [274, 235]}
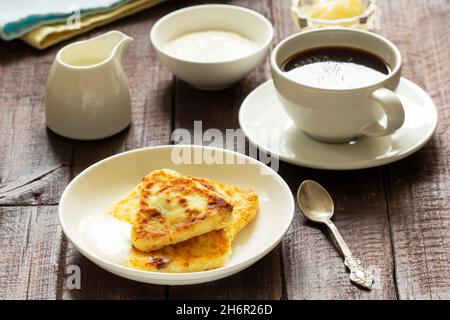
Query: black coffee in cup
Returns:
{"type": "Point", "coordinates": [335, 68]}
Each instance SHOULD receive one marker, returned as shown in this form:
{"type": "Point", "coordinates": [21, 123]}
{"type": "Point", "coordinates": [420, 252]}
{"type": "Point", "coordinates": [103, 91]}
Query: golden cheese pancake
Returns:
{"type": "Point", "coordinates": [204, 252]}
{"type": "Point", "coordinates": [174, 208]}
{"type": "Point", "coordinates": [244, 202]}
{"type": "Point", "coordinates": [207, 251]}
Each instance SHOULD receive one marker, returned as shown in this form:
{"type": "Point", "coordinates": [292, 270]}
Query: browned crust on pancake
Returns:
{"type": "Point", "coordinates": [174, 208]}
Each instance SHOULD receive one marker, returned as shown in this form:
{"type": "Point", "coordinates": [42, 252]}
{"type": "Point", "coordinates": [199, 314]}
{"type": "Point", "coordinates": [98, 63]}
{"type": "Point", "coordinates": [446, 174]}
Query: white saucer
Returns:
{"type": "Point", "coordinates": [106, 241]}
{"type": "Point", "coordinates": [262, 115]}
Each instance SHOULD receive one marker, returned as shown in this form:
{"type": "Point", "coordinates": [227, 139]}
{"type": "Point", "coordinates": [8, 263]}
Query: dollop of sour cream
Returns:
{"type": "Point", "coordinates": [210, 46]}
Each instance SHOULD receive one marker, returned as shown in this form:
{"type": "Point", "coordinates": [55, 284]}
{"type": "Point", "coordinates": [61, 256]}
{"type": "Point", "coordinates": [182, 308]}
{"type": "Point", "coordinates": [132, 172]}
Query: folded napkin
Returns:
{"type": "Point", "coordinates": [45, 36]}
{"type": "Point", "coordinates": [20, 17]}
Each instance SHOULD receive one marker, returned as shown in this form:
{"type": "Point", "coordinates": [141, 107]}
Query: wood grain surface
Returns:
{"type": "Point", "coordinates": [396, 218]}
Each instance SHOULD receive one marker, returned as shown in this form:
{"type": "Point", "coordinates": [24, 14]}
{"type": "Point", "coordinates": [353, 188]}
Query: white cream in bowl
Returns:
{"type": "Point", "coordinates": [212, 47]}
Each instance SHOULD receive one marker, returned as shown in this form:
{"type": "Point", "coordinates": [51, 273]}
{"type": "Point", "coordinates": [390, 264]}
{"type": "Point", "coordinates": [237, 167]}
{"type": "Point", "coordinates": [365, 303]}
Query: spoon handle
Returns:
{"type": "Point", "coordinates": [358, 275]}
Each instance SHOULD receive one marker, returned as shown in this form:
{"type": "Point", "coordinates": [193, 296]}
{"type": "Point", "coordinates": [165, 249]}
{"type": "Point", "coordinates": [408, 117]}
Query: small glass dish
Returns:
{"type": "Point", "coordinates": [305, 21]}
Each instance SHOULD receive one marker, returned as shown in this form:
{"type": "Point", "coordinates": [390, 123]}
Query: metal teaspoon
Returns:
{"type": "Point", "coordinates": [316, 205]}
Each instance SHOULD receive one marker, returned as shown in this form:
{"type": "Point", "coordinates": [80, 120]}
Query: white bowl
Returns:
{"type": "Point", "coordinates": [212, 75]}
{"type": "Point", "coordinates": [88, 196]}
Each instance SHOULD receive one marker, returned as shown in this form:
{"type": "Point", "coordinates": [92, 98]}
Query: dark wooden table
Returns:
{"type": "Point", "coordinates": [396, 217]}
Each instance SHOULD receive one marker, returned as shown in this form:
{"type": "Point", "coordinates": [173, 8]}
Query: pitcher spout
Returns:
{"type": "Point", "coordinates": [119, 43]}
{"type": "Point", "coordinates": [95, 51]}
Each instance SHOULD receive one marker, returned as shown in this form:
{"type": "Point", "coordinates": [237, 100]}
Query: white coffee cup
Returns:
{"type": "Point", "coordinates": [340, 115]}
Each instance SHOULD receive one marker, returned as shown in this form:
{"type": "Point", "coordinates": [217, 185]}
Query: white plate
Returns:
{"type": "Point", "coordinates": [85, 200]}
{"type": "Point", "coordinates": [262, 113]}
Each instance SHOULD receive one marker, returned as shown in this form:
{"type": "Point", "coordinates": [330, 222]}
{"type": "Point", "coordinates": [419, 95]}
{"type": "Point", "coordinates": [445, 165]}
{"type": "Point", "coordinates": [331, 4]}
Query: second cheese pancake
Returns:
{"type": "Point", "coordinates": [174, 208]}
{"type": "Point", "coordinates": [207, 251]}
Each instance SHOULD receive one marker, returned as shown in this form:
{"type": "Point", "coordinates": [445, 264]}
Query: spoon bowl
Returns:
{"type": "Point", "coordinates": [315, 202]}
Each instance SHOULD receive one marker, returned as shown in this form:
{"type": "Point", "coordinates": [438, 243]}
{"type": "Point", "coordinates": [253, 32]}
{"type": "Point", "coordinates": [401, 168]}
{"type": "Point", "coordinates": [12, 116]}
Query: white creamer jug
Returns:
{"type": "Point", "coordinates": [87, 92]}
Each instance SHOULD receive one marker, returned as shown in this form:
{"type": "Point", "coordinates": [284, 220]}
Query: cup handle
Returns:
{"type": "Point", "coordinates": [394, 110]}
